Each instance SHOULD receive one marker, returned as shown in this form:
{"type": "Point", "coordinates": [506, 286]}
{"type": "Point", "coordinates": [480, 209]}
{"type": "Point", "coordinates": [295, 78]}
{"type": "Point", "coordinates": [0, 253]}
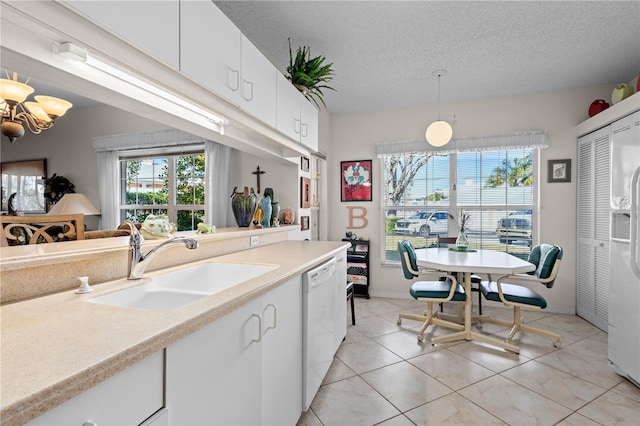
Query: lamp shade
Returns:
{"type": "Point", "coordinates": [74, 203]}
{"type": "Point", "coordinates": [53, 106]}
{"type": "Point", "coordinates": [14, 91]}
{"type": "Point", "coordinates": [439, 133]}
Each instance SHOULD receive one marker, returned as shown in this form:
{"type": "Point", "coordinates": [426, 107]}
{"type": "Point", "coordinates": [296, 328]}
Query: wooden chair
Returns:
{"type": "Point", "coordinates": [475, 279]}
{"type": "Point", "coordinates": [547, 259]}
{"type": "Point", "coordinates": [23, 230]}
{"type": "Point", "coordinates": [429, 291]}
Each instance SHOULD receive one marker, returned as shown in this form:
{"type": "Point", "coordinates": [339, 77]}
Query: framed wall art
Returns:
{"type": "Point", "coordinates": [559, 171]}
{"type": "Point", "coordinates": [304, 223]}
{"type": "Point", "coordinates": [304, 164]}
{"type": "Point", "coordinates": [355, 180]}
{"type": "Point", "coordinates": [305, 192]}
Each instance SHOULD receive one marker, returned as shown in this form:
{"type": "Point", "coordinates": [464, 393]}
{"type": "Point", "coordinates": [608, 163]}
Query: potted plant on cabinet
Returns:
{"type": "Point", "coordinates": [309, 75]}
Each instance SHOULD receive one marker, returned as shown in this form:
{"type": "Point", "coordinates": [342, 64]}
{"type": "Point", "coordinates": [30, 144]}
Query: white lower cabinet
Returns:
{"type": "Point", "coordinates": [244, 368]}
{"type": "Point", "coordinates": [128, 398]}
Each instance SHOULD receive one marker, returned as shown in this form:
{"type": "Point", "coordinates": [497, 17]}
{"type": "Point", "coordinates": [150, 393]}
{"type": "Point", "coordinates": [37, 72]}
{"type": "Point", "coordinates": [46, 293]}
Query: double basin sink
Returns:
{"type": "Point", "coordinates": [176, 288]}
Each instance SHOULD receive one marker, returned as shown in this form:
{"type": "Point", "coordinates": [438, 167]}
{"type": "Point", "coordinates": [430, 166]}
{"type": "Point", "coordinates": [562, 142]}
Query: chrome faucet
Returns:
{"type": "Point", "coordinates": [138, 262]}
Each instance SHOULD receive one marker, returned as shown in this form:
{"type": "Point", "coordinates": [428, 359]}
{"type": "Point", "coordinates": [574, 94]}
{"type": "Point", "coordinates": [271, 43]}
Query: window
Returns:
{"type": "Point", "coordinates": [424, 193]}
{"type": "Point", "coordinates": [165, 184]}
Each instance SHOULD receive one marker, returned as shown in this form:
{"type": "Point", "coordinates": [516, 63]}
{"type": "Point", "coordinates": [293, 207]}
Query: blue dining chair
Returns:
{"type": "Point", "coordinates": [430, 291]}
{"type": "Point", "coordinates": [547, 258]}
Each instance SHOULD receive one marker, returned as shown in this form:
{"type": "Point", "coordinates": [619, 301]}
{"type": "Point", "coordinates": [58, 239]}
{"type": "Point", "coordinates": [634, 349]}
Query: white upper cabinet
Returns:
{"type": "Point", "coordinates": [214, 53]}
{"type": "Point", "coordinates": [153, 26]}
{"type": "Point", "coordinates": [296, 116]}
{"type": "Point", "coordinates": [257, 84]}
{"type": "Point", "coordinates": [210, 47]}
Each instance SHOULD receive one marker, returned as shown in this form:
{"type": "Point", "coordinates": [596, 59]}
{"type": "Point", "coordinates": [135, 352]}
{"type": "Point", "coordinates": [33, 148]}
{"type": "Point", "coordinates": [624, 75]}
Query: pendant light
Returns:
{"type": "Point", "coordinates": [439, 132]}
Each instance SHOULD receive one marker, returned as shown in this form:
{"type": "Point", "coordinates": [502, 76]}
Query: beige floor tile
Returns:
{"type": "Point", "coordinates": [592, 347]}
{"type": "Point", "coordinates": [451, 369]}
{"type": "Point", "coordinates": [582, 366]}
{"type": "Point", "coordinates": [571, 328]}
{"type": "Point", "coordinates": [379, 306]}
{"type": "Point", "coordinates": [376, 326]}
{"type": "Point", "coordinates": [354, 335]}
{"type": "Point", "coordinates": [513, 403]}
{"type": "Point", "coordinates": [338, 371]}
{"type": "Point", "coordinates": [400, 420]}
{"type": "Point", "coordinates": [556, 385]}
{"type": "Point", "coordinates": [613, 409]}
{"type": "Point", "coordinates": [405, 386]}
{"type": "Point", "coordinates": [308, 418]}
{"type": "Point", "coordinates": [577, 420]}
{"type": "Point", "coordinates": [351, 402]}
{"type": "Point", "coordinates": [492, 357]}
{"type": "Point", "coordinates": [452, 409]}
{"type": "Point", "coordinates": [628, 389]}
{"type": "Point", "coordinates": [365, 356]}
{"type": "Point", "coordinates": [405, 344]}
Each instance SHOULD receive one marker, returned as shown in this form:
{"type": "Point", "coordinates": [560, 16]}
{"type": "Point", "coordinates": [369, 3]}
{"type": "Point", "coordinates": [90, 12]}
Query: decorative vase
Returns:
{"type": "Point", "coordinates": [462, 242]}
{"type": "Point", "coordinates": [243, 205]}
{"type": "Point", "coordinates": [266, 208]}
{"type": "Point", "coordinates": [275, 210]}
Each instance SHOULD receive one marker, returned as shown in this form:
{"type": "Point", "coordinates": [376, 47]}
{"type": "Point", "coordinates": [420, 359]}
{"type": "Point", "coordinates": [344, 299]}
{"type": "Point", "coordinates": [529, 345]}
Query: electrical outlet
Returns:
{"type": "Point", "coordinates": [254, 240]}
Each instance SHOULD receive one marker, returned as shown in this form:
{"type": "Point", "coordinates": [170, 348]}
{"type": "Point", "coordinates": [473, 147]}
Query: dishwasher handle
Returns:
{"type": "Point", "coordinates": [323, 272]}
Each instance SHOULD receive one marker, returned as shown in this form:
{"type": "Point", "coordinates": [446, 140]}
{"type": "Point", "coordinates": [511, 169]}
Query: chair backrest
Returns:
{"type": "Point", "coordinates": [547, 259]}
{"type": "Point", "coordinates": [408, 259]}
{"type": "Point", "coordinates": [445, 241]}
{"type": "Point", "coordinates": [23, 230]}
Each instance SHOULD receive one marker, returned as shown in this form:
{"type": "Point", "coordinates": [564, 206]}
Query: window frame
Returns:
{"type": "Point", "coordinates": [453, 207]}
{"type": "Point", "coordinates": [172, 208]}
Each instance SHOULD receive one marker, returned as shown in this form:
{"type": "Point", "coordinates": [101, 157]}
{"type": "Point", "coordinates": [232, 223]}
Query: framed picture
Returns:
{"type": "Point", "coordinates": [304, 223]}
{"type": "Point", "coordinates": [305, 192]}
{"type": "Point", "coordinates": [355, 180]}
{"type": "Point", "coordinates": [559, 171]}
{"type": "Point", "coordinates": [304, 164]}
{"type": "Point", "coordinates": [23, 186]}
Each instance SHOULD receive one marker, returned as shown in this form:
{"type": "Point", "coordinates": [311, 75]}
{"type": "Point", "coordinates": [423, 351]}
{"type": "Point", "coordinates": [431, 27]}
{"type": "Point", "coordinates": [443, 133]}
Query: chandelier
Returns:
{"type": "Point", "coordinates": [18, 114]}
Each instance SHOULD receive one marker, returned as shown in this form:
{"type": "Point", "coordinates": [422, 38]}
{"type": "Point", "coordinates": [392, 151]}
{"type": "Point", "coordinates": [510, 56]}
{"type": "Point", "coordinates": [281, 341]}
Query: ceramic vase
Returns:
{"type": "Point", "coordinates": [243, 205]}
{"type": "Point", "coordinates": [275, 210]}
{"type": "Point", "coordinates": [462, 242]}
{"type": "Point", "coordinates": [266, 207]}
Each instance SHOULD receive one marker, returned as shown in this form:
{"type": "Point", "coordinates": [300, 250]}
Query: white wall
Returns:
{"type": "Point", "coordinates": [354, 137]}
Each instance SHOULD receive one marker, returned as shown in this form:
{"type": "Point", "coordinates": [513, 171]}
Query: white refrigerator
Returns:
{"type": "Point", "coordinates": [624, 285]}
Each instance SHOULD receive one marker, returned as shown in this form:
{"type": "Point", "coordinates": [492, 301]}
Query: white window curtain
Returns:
{"type": "Point", "coordinates": [217, 170]}
{"type": "Point", "coordinates": [109, 189]}
{"type": "Point", "coordinates": [531, 139]}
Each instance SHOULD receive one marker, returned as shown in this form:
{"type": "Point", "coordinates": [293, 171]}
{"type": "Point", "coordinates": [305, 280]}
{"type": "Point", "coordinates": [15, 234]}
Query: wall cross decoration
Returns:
{"type": "Point", "coordinates": [258, 172]}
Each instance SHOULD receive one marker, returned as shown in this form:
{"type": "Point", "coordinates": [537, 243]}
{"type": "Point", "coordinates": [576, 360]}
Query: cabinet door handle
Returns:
{"type": "Point", "coordinates": [275, 315]}
{"type": "Point", "coordinates": [297, 126]}
{"type": "Point", "coordinates": [305, 130]}
{"type": "Point", "coordinates": [250, 84]}
{"type": "Point", "coordinates": [233, 79]}
{"type": "Point", "coordinates": [259, 327]}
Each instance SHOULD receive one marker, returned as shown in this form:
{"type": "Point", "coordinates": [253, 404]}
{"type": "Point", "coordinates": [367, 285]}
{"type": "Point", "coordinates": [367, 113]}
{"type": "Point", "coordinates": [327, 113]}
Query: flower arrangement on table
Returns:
{"type": "Point", "coordinates": [464, 218]}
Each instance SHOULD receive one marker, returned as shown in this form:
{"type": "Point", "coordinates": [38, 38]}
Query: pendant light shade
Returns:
{"type": "Point", "coordinates": [439, 132]}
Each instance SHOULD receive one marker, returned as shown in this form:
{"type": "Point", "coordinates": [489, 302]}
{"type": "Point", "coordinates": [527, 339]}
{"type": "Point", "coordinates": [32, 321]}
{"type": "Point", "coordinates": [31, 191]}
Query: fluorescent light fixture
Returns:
{"type": "Point", "coordinates": [72, 51]}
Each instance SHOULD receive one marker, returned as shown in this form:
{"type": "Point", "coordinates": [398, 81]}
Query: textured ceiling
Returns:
{"type": "Point", "coordinates": [384, 52]}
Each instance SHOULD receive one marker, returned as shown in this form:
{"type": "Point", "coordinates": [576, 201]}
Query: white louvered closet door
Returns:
{"type": "Point", "coordinates": [593, 227]}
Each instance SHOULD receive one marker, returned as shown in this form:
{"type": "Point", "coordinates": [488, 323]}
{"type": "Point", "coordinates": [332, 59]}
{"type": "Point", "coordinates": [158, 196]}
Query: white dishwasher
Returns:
{"type": "Point", "coordinates": [319, 327]}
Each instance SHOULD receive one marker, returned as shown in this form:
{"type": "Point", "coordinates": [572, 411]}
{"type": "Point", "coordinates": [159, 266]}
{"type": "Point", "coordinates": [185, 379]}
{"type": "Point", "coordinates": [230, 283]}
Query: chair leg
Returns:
{"type": "Point", "coordinates": [353, 312]}
{"type": "Point", "coordinates": [519, 326]}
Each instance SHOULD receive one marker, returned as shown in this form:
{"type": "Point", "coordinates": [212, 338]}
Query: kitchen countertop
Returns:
{"type": "Point", "coordinates": [56, 347]}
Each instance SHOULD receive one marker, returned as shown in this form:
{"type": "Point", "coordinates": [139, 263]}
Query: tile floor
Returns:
{"type": "Point", "coordinates": [381, 375]}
